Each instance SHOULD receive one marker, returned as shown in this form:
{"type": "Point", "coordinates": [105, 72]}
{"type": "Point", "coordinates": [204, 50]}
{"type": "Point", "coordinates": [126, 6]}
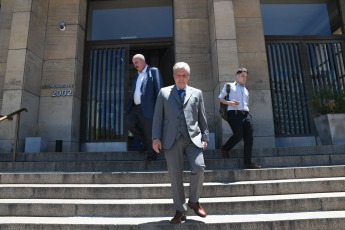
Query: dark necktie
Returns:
{"type": "Point", "coordinates": [180, 93]}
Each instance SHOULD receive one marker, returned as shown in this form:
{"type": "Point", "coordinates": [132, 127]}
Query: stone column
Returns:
{"type": "Point", "coordinates": [23, 69]}
{"type": "Point", "coordinates": [192, 45]}
{"type": "Point", "coordinates": [252, 55]}
{"type": "Point", "coordinates": [59, 108]}
{"type": "Point", "coordinates": [342, 9]}
{"type": "Point", "coordinates": [224, 55]}
{"type": "Point", "coordinates": [6, 15]}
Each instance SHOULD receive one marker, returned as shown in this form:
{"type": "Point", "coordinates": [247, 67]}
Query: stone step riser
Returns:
{"type": "Point", "coordinates": [110, 166]}
{"type": "Point", "coordinates": [315, 224]}
{"type": "Point", "coordinates": [134, 155]}
{"type": "Point", "coordinates": [164, 192]}
{"type": "Point", "coordinates": [165, 209]}
{"type": "Point", "coordinates": [162, 177]}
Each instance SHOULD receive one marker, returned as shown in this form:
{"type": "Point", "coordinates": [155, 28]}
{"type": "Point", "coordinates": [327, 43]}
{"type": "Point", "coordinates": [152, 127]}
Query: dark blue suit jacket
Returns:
{"type": "Point", "coordinates": [152, 83]}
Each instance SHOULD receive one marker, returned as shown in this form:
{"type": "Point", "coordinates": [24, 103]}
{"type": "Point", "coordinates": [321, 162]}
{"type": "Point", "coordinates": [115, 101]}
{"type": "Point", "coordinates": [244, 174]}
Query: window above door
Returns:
{"type": "Point", "coordinates": [301, 17]}
{"type": "Point", "coordinates": [129, 19]}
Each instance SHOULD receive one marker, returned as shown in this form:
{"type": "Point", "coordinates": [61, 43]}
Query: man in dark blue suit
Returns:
{"type": "Point", "coordinates": [141, 105]}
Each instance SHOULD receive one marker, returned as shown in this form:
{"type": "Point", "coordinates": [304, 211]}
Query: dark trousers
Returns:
{"type": "Point", "coordinates": [143, 133]}
{"type": "Point", "coordinates": [242, 128]}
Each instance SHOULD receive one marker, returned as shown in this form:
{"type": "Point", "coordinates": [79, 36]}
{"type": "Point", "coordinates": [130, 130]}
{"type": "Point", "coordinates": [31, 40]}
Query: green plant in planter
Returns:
{"type": "Point", "coordinates": [328, 100]}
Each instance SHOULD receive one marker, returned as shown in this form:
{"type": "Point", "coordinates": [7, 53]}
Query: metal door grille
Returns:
{"type": "Point", "coordinates": [297, 68]}
{"type": "Point", "coordinates": [287, 87]}
{"type": "Point", "coordinates": [326, 65]}
{"type": "Point", "coordinates": [106, 86]}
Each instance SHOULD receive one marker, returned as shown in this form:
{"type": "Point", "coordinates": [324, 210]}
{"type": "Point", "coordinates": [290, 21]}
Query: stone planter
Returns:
{"type": "Point", "coordinates": [35, 144]}
{"type": "Point", "coordinates": [331, 128]}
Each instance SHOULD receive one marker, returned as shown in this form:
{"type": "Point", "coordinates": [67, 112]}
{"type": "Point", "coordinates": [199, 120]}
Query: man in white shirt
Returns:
{"type": "Point", "coordinates": [141, 104]}
{"type": "Point", "coordinates": [239, 118]}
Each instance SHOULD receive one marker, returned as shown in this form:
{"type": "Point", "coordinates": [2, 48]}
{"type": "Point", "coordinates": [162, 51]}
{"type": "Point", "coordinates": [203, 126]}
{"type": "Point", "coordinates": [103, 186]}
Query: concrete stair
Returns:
{"type": "Point", "coordinates": [298, 188]}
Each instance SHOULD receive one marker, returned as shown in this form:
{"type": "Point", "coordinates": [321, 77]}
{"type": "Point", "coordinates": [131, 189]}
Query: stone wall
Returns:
{"type": "Point", "coordinates": [40, 54]}
{"type": "Point", "coordinates": [63, 61]}
{"type": "Point", "coordinates": [192, 45]}
{"type": "Point", "coordinates": [237, 39]}
{"type": "Point", "coordinates": [6, 15]}
{"type": "Point", "coordinates": [252, 55]}
{"type": "Point", "coordinates": [23, 70]}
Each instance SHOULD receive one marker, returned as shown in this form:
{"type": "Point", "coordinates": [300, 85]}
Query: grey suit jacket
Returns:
{"type": "Point", "coordinates": [166, 116]}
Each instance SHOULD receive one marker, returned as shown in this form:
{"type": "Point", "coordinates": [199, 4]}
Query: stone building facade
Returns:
{"type": "Point", "coordinates": [215, 37]}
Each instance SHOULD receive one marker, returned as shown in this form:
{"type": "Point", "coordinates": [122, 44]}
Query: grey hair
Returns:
{"type": "Point", "coordinates": [181, 65]}
{"type": "Point", "coordinates": [140, 56]}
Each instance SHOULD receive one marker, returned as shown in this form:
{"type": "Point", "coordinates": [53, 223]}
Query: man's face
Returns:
{"type": "Point", "coordinates": [242, 78]}
{"type": "Point", "coordinates": [181, 78]}
{"type": "Point", "coordinates": [139, 64]}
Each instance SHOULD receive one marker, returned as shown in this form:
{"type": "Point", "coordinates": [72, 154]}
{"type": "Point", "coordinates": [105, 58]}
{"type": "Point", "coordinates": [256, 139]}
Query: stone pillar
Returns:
{"type": "Point", "coordinates": [224, 56]}
{"type": "Point", "coordinates": [5, 32]}
{"type": "Point", "coordinates": [252, 55]}
{"type": "Point", "coordinates": [342, 10]}
{"type": "Point", "coordinates": [192, 45]}
{"type": "Point", "coordinates": [59, 108]}
{"type": "Point", "coordinates": [23, 69]}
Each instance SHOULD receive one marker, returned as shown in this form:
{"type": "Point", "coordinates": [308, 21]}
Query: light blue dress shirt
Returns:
{"type": "Point", "coordinates": [239, 93]}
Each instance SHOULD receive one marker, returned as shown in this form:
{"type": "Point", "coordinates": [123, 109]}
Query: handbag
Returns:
{"type": "Point", "coordinates": [223, 109]}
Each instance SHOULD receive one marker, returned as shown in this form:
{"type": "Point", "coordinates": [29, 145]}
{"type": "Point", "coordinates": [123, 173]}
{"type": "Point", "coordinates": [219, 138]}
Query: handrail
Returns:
{"type": "Point", "coordinates": [9, 117]}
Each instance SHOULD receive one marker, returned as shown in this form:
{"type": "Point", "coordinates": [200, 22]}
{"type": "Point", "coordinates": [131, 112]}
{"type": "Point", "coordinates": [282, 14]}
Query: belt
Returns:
{"type": "Point", "coordinates": [239, 111]}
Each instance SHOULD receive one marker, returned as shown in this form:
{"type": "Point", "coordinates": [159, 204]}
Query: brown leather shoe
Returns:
{"type": "Point", "coordinates": [197, 209]}
{"type": "Point", "coordinates": [252, 166]}
{"type": "Point", "coordinates": [178, 218]}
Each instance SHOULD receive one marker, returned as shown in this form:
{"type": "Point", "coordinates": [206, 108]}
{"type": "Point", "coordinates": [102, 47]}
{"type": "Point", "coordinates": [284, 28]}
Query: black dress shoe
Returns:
{"type": "Point", "coordinates": [142, 149]}
{"type": "Point", "coordinates": [197, 209]}
{"type": "Point", "coordinates": [225, 153]}
{"type": "Point", "coordinates": [150, 158]}
{"type": "Point", "coordinates": [178, 218]}
{"type": "Point", "coordinates": [252, 166]}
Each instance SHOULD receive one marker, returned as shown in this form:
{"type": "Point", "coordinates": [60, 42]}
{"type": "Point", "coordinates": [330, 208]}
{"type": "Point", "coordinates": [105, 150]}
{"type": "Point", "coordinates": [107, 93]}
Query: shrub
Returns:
{"type": "Point", "coordinates": [329, 100]}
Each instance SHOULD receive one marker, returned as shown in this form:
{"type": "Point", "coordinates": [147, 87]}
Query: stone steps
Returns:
{"type": "Point", "coordinates": [162, 176]}
{"type": "Point", "coordinates": [160, 165]}
{"type": "Point", "coordinates": [298, 188]}
{"type": "Point", "coordinates": [135, 156]}
{"type": "Point", "coordinates": [163, 190]}
{"type": "Point", "coordinates": [163, 207]}
{"type": "Point", "coordinates": [318, 220]}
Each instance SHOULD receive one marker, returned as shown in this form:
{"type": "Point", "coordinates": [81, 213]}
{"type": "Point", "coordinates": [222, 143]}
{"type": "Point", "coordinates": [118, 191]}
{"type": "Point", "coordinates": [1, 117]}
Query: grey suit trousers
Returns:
{"type": "Point", "coordinates": [175, 161]}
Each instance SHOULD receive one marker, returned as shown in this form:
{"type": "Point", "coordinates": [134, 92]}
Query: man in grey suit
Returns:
{"type": "Point", "coordinates": [180, 128]}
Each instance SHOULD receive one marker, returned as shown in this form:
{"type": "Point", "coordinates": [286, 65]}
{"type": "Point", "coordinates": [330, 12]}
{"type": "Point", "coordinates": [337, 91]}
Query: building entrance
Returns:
{"type": "Point", "coordinates": [116, 30]}
{"type": "Point", "coordinates": [107, 80]}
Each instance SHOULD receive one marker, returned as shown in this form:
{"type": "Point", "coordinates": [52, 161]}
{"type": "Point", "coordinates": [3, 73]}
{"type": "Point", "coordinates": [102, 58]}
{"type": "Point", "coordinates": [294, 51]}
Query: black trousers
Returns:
{"type": "Point", "coordinates": [143, 132]}
{"type": "Point", "coordinates": [242, 128]}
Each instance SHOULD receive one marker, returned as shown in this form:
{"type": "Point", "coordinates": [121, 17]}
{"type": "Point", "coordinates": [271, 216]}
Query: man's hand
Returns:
{"type": "Point", "coordinates": [157, 145]}
{"type": "Point", "coordinates": [204, 144]}
{"type": "Point", "coordinates": [234, 103]}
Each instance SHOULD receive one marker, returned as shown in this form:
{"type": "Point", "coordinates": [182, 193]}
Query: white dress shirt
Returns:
{"type": "Point", "coordinates": [137, 92]}
{"type": "Point", "coordinates": [239, 93]}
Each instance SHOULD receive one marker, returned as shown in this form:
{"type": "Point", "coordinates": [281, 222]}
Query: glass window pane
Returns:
{"type": "Point", "coordinates": [128, 19]}
{"type": "Point", "coordinates": [303, 17]}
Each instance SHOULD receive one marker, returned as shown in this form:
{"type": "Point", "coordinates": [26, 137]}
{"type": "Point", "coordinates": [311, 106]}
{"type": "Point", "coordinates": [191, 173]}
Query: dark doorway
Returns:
{"type": "Point", "coordinates": [132, 27]}
{"type": "Point", "coordinates": [160, 56]}
{"type": "Point", "coordinates": [107, 81]}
